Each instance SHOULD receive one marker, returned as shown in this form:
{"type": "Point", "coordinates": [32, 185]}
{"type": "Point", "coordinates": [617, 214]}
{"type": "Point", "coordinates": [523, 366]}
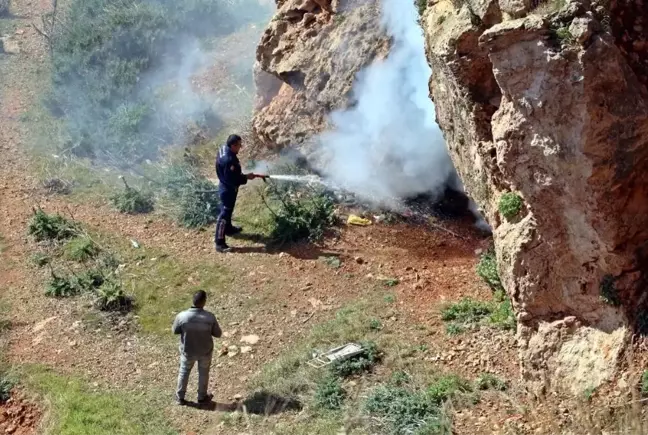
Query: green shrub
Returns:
{"type": "Point", "coordinates": [390, 282]}
{"type": "Point", "coordinates": [467, 311]}
{"type": "Point", "coordinates": [133, 201]}
{"type": "Point", "coordinates": [304, 215]}
{"type": "Point", "coordinates": [644, 383]}
{"type": "Point", "coordinates": [406, 411]}
{"type": "Point", "coordinates": [608, 291]}
{"type": "Point", "coordinates": [61, 287]}
{"type": "Point", "coordinates": [487, 270]}
{"type": "Point", "coordinates": [111, 297]}
{"type": "Point", "coordinates": [375, 325]}
{"type": "Point", "coordinates": [510, 205]}
{"type": "Point", "coordinates": [488, 381]}
{"type": "Point", "coordinates": [446, 387]}
{"type": "Point", "coordinates": [44, 226]}
{"type": "Point", "coordinates": [102, 51]}
{"type": "Point", "coordinates": [564, 35]}
{"type": "Point", "coordinates": [40, 259]}
{"type": "Point", "coordinates": [358, 364]}
{"type": "Point", "coordinates": [329, 393]}
{"type": "Point", "coordinates": [81, 248]}
{"type": "Point", "coordinates": [195, 198]}
{"type": "Point", "coordinates": [421, 5]}
{"type": "Point", "coordinates": [89, 280]}
{"type": "Point", "coordinates": [470, 313]}
{"type": "Point", "coordinates": [6, 385]}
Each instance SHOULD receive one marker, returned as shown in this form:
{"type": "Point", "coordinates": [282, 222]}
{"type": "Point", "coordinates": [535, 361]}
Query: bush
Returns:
{"type": "Point", "coordinates": [40, 259]}
{"type": "Point", "coordinates": [446, 387]}
{"type": "Point", "coordinates": [488, 381]}
{"type": "Point", "coordinates": [6, 385]}
{"type": "Point", "coordinates": [487, 270]}
{"type": "Point", "coordinates": [304, 213]}
{"type": "Point", "coordinates": [358, 364]}
{"type": "Point", "coordinates": [133, 201]}
{"type": "Point", "coordinates": [469, 313]}
{"type": "Point", "coordinates": [510, 205]}
{"type": "Point", "coordinates": [61, 287]}
{"type": "Point", "coordinates": [44, 226]}
{"type": "Point", "coordinates": [329, 394]}
{"type": "Point", "coordinates": [406, 411]}
{"type": "Point", "coordinates": [111, 297]}
{"type": "Point", "coordinates": [644, 383]}
{"type": "Point", "coordinates": [89, 280]}
{"type": "Point", "coordinates": [195, 198]}
{"type": "Point", "coordinates": [81, 249]}
{"type": "Point", "coordinates": [421, 5]}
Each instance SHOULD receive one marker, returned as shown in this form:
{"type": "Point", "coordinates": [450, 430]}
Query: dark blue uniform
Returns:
{"type": "Point", "coordinates": [228, 169]}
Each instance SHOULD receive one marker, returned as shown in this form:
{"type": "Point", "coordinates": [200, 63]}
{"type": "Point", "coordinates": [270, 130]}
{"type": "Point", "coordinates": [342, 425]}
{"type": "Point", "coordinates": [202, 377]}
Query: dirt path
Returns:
{"type": "Point", "coordinates": [294, 289]}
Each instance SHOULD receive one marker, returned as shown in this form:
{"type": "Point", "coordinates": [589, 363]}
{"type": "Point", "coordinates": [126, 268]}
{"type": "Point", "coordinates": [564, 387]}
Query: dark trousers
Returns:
{"type": "Point", "coordinates": [224, 221]}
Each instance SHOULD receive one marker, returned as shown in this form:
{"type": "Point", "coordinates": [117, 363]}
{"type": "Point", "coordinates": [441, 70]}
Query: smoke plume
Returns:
{"type": "Point", "coordinates": [388, 145]}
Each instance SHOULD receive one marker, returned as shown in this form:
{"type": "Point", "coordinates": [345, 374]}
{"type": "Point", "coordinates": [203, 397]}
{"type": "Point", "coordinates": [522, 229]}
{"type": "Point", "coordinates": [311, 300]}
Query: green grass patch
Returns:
{"type": "Point", "coordinates": [6, 385]}
{"type": "Point", "coordinates": [44, 226]}
{"type": "Point", "coordinates": [81, 249]}
{"type": "Point", "coordinates": [331, 261]}
{"type": "Point", "coordinates": [329, 393]}
{"type": "Point", "coordinates": [488, 381]}
{"type": "Point", "coordinates": [359, 364]}
{"type": "Point", "coordinates": [510, 204]}
{"type": "Point", "coordinates": [61, 287]}
{"type": "Point", "coordinates": [73, 409]}
{"type": "Point", "coordinates": [133, 201]}
{"type": "Point", "coordinates": [163, 286]}
{"type": "Point", "coordinates": [643, 386]}
{"type": "Point", "coordinates": [469, 313]}
{"type": "Point", "coordinates": [40, 259]}
{"type": "Point", "coordinates": [487, 270]}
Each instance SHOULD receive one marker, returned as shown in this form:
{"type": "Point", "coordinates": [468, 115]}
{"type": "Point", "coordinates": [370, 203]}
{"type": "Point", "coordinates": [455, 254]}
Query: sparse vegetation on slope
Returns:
{"type": "Point", "coordinates": [55, 227]}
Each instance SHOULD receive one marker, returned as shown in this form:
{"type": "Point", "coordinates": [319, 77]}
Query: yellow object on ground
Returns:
{"type": "Point", "coordinates": [357, 220]}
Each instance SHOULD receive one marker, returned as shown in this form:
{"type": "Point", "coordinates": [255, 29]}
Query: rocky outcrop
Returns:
{"type": "Point", "coordinates": [551, 106]}
{"type": "Point", "coordinates": [306, 63]}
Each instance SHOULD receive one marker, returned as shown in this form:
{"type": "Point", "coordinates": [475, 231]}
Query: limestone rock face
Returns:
{"type": "Point", "coordinates": [553, 107]}
{"type": "Point", "coordinates": [306, 64]}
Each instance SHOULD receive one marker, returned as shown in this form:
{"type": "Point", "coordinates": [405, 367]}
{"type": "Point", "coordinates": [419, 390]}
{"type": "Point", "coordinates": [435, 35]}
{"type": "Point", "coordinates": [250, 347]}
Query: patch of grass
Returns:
{"type": "Point", "coordinates": [329, 393]}
{"type": "Point", "coordinates": [468, 313]}
{"type": "Point", "coordinates": [589, 393]}
{"type": "Point", "coordinates": [510, 205]}
{"type": "Point", "coordinates": [375, 325]}
{"type": "Point", "coordinates": [408, 411]}
{"type": "Point", "coordinates": [564, 35]}
{"type": "Point", "coordinates": [44, 226]}
{"type": "Point", "coordinates": [608, 291]}
{"type": "Point", "coordinates": [40, 259]}
{"type": "Point", "coordinates": [61, 287]}
{"type": "Point", "coordinates": [6, 385]}
{"type": "Point", "coordinates": [488, 381]}
{"type": "Point", "coordinates": [358, 364]}
{"type": "Point", "coordinates": [643, 387]}
{"type": "Point", "coordinates": [303, 214]}
{"type": "Point", "coordinates": [390, 282]}
{"type": "Point", "coordinates": [133, 201]}
{"type": "Point", "coordinates": [163, 286]}
{"type": "Point", "coordinates": [332, 261]}
{"type": "Point", "coordinates": [76, 410]}
{"type": "Point", "coordinates": [487, 270]}
{"type": "Point", "coordinates": [81, 249]}
{"type": "Point", "coordinates": [111, 297]}
{"type": "Point", "coordinates": [390, 299]}
{"type": "Point", "coordinates": [454, 329]}
{"type": "Point", "coordinates": [194, 199]}
{"type": "Point", "coordinates": [3, 245]}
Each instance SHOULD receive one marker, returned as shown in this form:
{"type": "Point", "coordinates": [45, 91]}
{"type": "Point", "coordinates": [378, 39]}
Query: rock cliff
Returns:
{"type": "Point", "coordinates": [547, 103]}
{"type": "Point", "coordinates": [306, 63]}
{"type": "Point", "coordinates": [543, 103]}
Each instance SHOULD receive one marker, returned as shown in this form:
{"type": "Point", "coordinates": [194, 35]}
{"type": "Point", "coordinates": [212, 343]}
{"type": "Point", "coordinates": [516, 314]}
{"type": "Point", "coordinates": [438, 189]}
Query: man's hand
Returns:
{"type": "Point", "coordinates": [250, 176]}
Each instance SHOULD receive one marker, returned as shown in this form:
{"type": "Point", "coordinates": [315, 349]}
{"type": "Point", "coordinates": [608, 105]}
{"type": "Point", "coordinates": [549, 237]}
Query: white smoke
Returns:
{"type": "Point", "coordinates": [388, 145]}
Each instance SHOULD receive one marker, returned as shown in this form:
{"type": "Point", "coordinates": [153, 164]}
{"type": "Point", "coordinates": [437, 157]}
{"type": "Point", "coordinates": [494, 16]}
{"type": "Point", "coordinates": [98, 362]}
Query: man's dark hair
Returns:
{"type": "Point", "coordinates": [233, 139]}
{"type": "Point", "coordinates": [199, 298]}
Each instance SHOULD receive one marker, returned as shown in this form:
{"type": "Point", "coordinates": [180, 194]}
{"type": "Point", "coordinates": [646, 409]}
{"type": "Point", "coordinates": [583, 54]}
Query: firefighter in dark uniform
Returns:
{"type": "Point", "coordinates": [228, 169]}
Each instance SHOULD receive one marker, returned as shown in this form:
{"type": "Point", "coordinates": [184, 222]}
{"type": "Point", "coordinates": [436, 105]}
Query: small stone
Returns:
{"type": "Point", "coordinates": [238, 396]}
{"type": "Point", "coordinates": [359, 260]}
{"type": "Point", "coordinates": [250, 339]}
{"type": "Point", "coordinates": [246, 349]}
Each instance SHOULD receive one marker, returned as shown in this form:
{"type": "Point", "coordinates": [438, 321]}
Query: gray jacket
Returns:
{"type": "Point", "coordinates": [196, 328]}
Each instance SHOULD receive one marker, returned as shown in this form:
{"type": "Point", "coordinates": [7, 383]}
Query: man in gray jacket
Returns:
{"type": "Point", "coordinates": [196, 327]}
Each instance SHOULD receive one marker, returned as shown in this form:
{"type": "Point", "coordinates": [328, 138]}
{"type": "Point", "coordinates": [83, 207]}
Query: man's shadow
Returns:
{"type": "Point", "coordinates": [259, 403]}
{"type": "Point", "coordinates": [304, 251]}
